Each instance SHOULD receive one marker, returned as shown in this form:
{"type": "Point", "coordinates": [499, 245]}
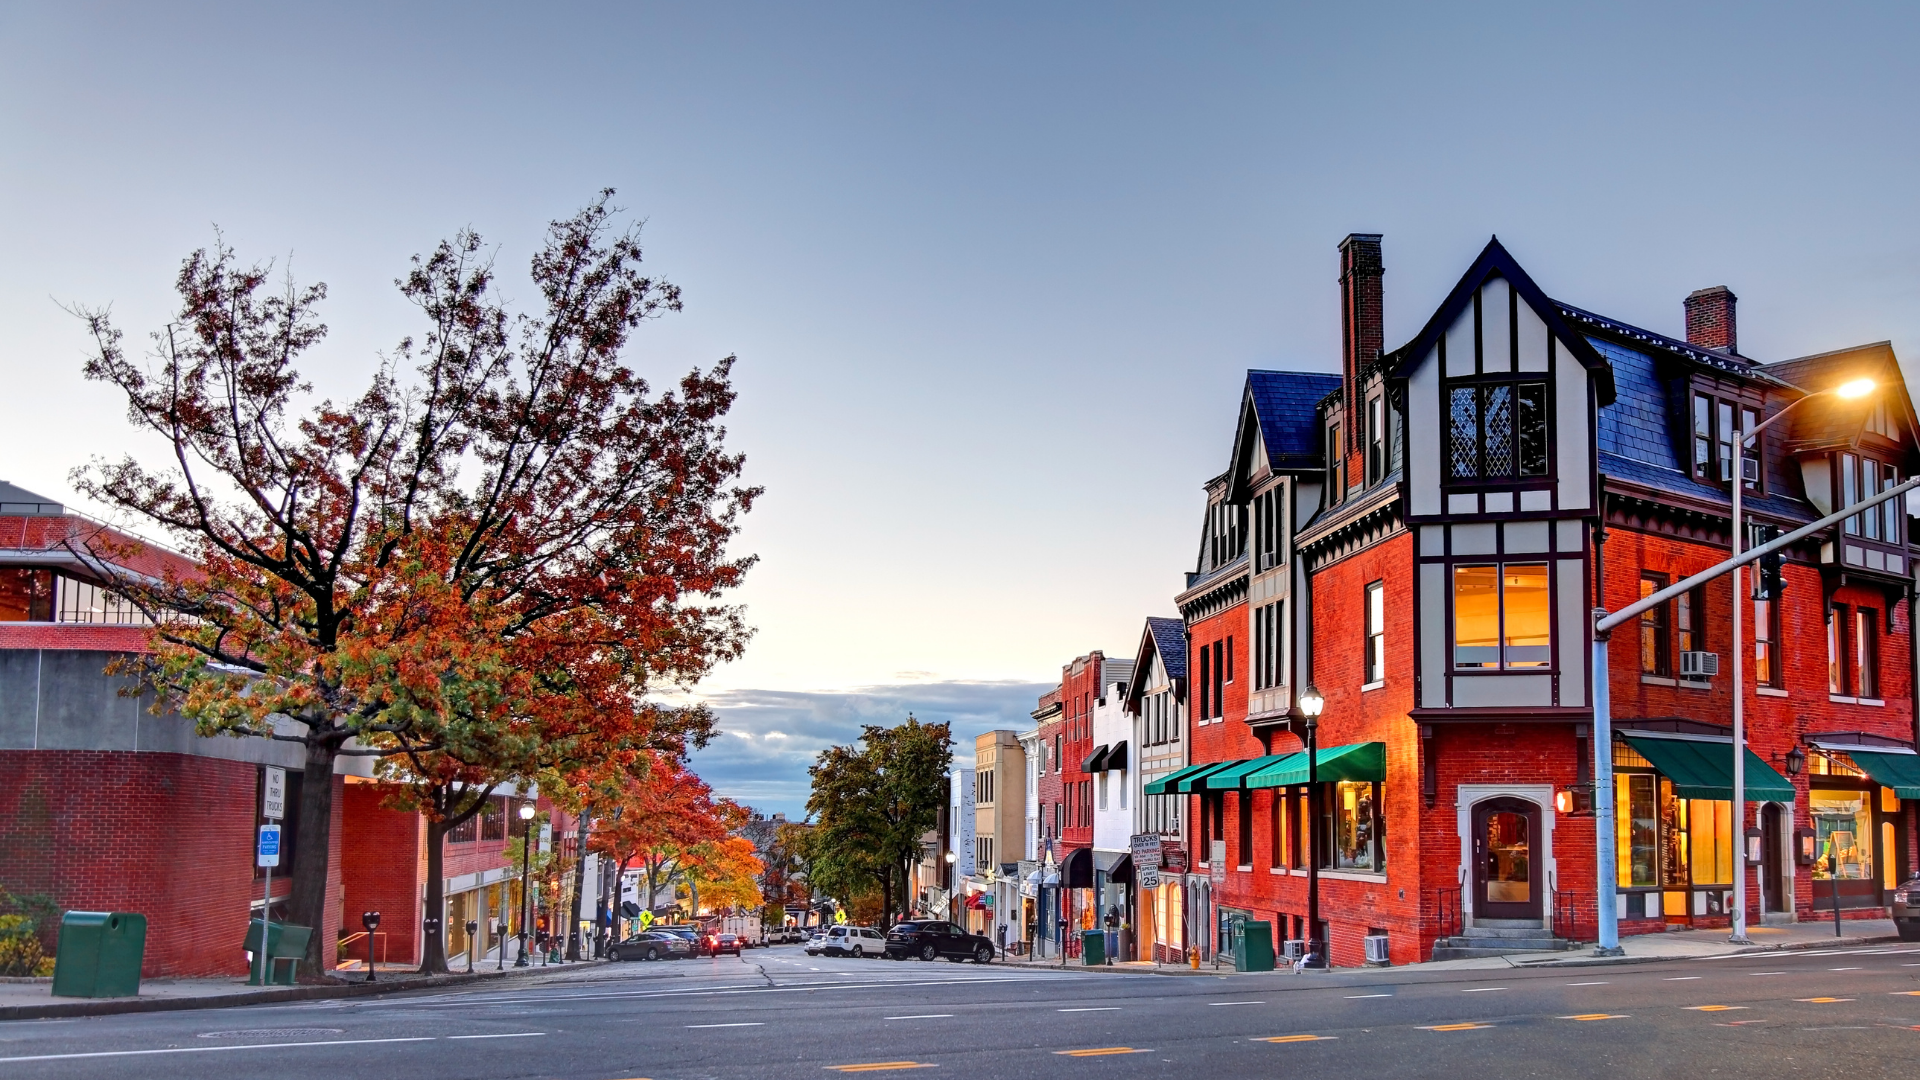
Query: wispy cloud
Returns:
{"type": "Point", "coordinates": [772, 736]}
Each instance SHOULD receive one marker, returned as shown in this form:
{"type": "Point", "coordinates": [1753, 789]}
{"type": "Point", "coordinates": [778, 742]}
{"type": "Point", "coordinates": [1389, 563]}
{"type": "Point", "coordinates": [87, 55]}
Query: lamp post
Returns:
{"type": "Point", "coordinates": [1311, 705]}
{"type": "Point", "coordinates": [953, 885]}
{"type": "Point", "coordinates": [526, 862]}
{"type": "Point", "coordinates": [1856, 388]}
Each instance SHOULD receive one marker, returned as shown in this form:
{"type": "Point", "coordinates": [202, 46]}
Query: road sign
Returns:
{"type": "Point", "coordinates": [268, 853]}
{"type": "Point", "coordinates": [646, 920]}
{"type": "Point", "coordinates": [275, 799]}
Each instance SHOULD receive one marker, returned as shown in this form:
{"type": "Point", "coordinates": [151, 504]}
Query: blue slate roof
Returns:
{"type": "Point", "coordinates": [1170, 641]}
{"type": "Point", "coordinates": [1287, 402]}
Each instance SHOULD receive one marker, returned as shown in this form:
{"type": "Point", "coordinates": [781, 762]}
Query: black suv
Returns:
{"type": "Point", "coordinates": [931, 939]}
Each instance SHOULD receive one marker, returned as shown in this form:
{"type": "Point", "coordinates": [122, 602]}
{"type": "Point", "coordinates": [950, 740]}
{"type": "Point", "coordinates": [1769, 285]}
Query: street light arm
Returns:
{"type": "Point", "coordinates": [1633, 610]}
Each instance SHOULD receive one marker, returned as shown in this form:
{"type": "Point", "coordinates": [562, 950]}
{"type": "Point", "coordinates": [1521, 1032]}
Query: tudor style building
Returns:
{"type": "Point", "coordinates": [1423, 542]}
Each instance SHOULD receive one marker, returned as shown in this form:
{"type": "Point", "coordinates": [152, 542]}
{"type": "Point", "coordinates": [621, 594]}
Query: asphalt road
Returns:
{"type": "Point", "coordinates": [777, 1013]}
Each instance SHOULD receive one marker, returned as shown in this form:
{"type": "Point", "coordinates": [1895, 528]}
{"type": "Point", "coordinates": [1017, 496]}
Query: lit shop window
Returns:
{"type": "Point", "coordinates": [1500, 616]}
{"type": "Point", "coordinates": [1842, 835]}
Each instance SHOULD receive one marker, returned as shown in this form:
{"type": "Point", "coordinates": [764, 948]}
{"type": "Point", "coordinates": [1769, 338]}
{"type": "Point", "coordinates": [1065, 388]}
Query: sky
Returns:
{"type": "Point", "coordinates": [994, 273]}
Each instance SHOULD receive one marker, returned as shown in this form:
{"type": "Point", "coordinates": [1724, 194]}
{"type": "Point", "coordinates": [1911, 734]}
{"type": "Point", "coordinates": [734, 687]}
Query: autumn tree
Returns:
{"type": "Point", "coordinates": [658, 816]}
{"type": "Point", "coordinates": [507, 538]}
{"type": "Point", "coordinates": [872, 802]}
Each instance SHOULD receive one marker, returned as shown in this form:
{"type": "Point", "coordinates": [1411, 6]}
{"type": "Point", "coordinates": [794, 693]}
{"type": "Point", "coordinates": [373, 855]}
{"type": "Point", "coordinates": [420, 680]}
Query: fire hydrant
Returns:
{"type": "Point", "coordinates": [1193, 957]}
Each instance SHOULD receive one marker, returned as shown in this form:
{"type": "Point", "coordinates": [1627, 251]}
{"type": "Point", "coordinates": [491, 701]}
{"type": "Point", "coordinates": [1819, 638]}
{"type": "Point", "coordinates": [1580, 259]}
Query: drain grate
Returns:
{"type": "Point", "coordinates": [273, 1033]}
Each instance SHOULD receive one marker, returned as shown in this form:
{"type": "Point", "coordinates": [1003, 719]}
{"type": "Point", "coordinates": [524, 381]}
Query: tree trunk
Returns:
{"type": "Point", "coordinates": [307, 898]}
{"type": "Point", "coordinates": [579, 884]}
{"type": "Point", "coordinates": [433, 948]}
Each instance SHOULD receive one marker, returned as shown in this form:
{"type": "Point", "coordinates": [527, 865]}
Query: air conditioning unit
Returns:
{"type": "Point", "coordinates": [1750, 469]}
{"type": "Point", "coordinates": [1376, 949]}
{"type": "Point", "coordinates": [1293, 950]}
{"type": "Point", "coordinates": [1699, 665]}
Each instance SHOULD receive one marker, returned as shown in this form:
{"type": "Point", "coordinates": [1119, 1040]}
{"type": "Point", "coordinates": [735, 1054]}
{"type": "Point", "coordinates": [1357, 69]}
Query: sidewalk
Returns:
{"type": "Point", "coordinates": [32, 999]}
{"type": "Point", "coordinates": [1693, 945]}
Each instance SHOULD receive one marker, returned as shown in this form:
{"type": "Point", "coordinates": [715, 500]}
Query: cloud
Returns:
{"type": "Point", "coordinates": [781, 732]}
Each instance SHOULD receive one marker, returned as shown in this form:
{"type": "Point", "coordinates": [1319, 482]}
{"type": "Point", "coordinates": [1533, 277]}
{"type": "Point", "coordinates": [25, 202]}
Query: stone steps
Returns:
{"type": "Point", "coordinates": [1507, 936]}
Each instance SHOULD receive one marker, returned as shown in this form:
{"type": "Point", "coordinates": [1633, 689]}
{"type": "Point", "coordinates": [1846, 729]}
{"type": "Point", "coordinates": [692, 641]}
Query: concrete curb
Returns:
{"type": "Point", "coordinates": [1750, 950]}
{"type": "Point", "coordinates": [65, 1008]}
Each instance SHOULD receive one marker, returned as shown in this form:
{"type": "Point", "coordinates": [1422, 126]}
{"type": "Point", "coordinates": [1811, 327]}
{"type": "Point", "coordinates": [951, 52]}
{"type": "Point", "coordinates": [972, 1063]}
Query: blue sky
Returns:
{"type": "Point", "coordinates": [994, 272]}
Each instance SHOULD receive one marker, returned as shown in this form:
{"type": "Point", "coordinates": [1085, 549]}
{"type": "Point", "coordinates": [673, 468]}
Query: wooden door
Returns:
{"type": "Point", "coordinates": [1506, 862]}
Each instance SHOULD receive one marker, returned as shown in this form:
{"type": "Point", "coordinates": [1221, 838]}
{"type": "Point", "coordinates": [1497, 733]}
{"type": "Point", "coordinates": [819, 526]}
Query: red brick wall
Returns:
{"type": "Point", "coordinates": [169, 836]}
{"type": "Point", "coordinates": [384, 852]}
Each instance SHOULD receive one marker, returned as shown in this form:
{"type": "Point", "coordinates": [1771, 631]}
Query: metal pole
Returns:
{"type": "Point", "coordinates": [526, 895]}
{"type": "Point", "coordinates": [266, 924]}
{"type": "Point", "coordinates": [1605, 873]}
{"type": "Point", "coordinates": [1314, 948]}
{"type": "Point", "coordinates": [1739, 815]}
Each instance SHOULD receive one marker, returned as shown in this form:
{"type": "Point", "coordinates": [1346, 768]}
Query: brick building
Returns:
{"type": "Point", "coordinates": [1460, 505]}
{"type": "Point", "coordinates": [107, 806]}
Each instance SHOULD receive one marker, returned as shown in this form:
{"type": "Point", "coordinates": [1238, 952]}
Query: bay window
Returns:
{"type": "Point", "coordinates": [1501, 616]}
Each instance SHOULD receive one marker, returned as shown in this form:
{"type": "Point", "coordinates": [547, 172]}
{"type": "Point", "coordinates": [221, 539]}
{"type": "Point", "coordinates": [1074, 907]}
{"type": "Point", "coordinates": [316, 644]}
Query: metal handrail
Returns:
{"type": "Point", "coordinates": [350, 939]}
{"type": "Point", "coordinates": [1446, 910]}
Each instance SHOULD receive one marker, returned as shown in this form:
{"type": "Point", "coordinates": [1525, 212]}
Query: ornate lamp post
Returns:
{"type": "Point", "coordinates": [1312, 703]}
{"type": "Point", "coordinates": [526, 896]}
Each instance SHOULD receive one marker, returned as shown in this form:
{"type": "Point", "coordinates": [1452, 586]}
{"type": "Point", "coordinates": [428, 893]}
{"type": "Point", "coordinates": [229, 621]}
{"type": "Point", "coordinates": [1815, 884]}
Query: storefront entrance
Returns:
{"type": "Point", "coordinates": [1506, 873]}
{"type": "Point", "coordinates": [1773, 879]}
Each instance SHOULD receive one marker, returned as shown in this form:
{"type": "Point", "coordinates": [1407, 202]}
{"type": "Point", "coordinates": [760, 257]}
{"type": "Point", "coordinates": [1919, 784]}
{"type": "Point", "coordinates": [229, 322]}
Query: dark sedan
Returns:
{"type": "Point", "coordinates": [651, 945]}
{"type": "Point", "coordinates": [931, 939]}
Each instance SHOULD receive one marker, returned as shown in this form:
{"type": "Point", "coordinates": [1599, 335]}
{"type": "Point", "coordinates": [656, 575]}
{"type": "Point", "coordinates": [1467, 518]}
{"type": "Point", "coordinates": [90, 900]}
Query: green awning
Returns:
{"type": "Point", "coordinates": [1163, 785]}
{"type": "Point", "coordinates": [1704, 770]}
{"type": "Point", "coordinates": [1355, 761]}
{"type": "Point", "coordinates": [1188, 783]}
{"type": "Point", "coordinates": [1901, 772]}
{"type": "Point", "coordinates": [1235, 778]}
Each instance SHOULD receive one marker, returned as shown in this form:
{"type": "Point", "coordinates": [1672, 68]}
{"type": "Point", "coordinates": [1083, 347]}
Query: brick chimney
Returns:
{"type": "Point", "coordinates": [1710, 319]}
{"type": "Point", "coordinates": [1362, 335]}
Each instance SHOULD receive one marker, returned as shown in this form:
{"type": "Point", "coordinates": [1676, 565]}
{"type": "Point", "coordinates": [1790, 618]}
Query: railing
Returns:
{"type": "Point", "coordinates": [1565, 916]}
{"type": "Point", "coordinates": [347, 943]}
{"type": "Point", "coordinates": [1446, 911]}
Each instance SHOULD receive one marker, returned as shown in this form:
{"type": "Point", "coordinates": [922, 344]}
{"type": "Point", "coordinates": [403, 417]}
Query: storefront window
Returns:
{"type": "Point", "coordinates": [1710, 833]}
{"type": "Point", "coordinates": [1842, 835]}
{"type": "Point", "coordinates": [1353, 825]}
{"type": "Point", "coordinates": [1637, 828]}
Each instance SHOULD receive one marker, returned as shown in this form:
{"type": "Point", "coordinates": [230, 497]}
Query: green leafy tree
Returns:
{"type": "Point", "coordinates": [872, 802]}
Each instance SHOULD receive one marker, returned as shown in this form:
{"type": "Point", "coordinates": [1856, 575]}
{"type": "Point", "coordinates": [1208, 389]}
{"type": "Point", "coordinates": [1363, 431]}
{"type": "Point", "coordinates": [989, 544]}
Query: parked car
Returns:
{"type": "Point", "coordinates": [817, 941]}
{"type": "Point", "coordinates": [930, 939]}
{"type": "Point", "coordinates": [692, 935]}
{"type": "Point", "coordinates": [651, 945]}
{"type": "Point", "coordinates": [723, 943]}
{"type": "Point", "coordinates": [1906, 910]}
{"type": "Point", "coordinates": [851, 941]}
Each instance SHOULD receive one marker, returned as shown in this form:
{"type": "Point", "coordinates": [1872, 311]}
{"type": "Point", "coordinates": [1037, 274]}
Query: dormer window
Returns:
{"type": "Point", "coordinates": [1713, 435]}
{"type": "Point", "coordinates": [1862, 478]}
{"type": "Point", "coordinates": [1336, 473]}
{"type": "Point", "coordinates": [1497, 431]}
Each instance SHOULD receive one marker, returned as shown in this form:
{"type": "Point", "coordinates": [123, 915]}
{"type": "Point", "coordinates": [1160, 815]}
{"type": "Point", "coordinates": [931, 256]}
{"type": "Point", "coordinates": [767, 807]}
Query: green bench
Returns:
{"type": "Point", "coordinates": [286, 944]}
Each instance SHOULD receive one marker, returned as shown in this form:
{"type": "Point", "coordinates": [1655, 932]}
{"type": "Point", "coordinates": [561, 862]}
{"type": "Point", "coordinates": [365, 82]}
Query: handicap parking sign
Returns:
{"type": "Point", "coordinates": [269, 850]}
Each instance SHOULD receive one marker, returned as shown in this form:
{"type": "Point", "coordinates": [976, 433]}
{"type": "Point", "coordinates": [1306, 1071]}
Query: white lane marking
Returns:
{"type": "Point", "coordinates": [1683, 978]}
{"type": "Point", "coordinates": [1481, 989]}
{"type": "Point", "coordinates": [1853, 968]}
{"type": "Point", "coordinates": [212, 1049]}
{"type": "Point", "coordinates": [1357, 997]}
{"type": "Point", "coordinates": [746, 1023]}
{"type": "Point", "coordinates": [922, 1016]}
{"type": "Point", "coordinates": [503, 1035]}
{"type": "Point", "coordinates": [1097, 1008]}
{"type": "Point", "coordinates": [1766, 973]}
{"type": "Point", "coordinates": [1587, 984]}
{"type": "Point", "coordinates": [1218, 1003]}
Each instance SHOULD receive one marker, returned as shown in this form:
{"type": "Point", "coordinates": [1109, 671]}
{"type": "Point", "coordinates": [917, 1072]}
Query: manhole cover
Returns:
{"type": "Point", "coordinates": [273, 1033]}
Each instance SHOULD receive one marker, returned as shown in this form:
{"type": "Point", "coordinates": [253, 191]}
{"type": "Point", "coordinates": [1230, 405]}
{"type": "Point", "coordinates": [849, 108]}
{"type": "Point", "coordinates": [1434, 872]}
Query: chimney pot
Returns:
{"type": "Point", "coordinates": [1710, 322]}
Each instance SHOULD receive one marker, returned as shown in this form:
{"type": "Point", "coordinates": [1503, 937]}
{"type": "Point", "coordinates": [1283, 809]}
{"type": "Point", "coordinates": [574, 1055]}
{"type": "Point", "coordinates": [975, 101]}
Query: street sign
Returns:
{"type": "Point", "coordinates": [275, 800]}
{"type": "Point", "coordinates": [646, 920]}
{"type": "Point", "coordinates": [268, 853]}
{"type": "Point", "coordinates": [1217, 863]}
{"type": "Point", "coordinates": [1149, 876]}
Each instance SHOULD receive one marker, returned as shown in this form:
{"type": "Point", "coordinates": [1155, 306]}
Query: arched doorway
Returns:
{"type": "Point", "coordinates": [1774, 898]}
{"type": "Point", "coordinates": [1506, 860]}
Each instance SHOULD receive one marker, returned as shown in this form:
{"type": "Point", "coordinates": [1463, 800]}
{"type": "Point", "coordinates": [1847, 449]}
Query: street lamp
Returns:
{"type": "Point", "coordinates": [1312, 704]}
{"type": "Point", "coordinates": [1850, 390]}
{"type": "Point", "coordinates": [526, 897]}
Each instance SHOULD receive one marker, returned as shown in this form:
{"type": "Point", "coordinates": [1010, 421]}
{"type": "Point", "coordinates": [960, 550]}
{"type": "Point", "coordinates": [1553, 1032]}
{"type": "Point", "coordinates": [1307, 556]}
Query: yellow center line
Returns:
{"type": "Point", "coordinates": [1294, 1038]}
{"type": "Point", "coordinates": [1714, 1008]}
{"type": "Point", "coordinates": [1100, 1051]}
{"type": "Point", "coordinates": [1456, 1027]}
{"type": "Point", "coordinates": [1597, 1016]}
{"type": "Point", "coordinates": [1821, 1001]}
{"type": "Point", "coordinates": [880, 1066]}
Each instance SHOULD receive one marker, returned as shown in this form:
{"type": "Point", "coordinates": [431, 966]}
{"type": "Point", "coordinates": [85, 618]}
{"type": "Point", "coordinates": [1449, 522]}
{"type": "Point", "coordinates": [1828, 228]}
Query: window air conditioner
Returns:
{"type": "Point", "coordinates": [1699, 665]}
{"type": "Point", "coordinates": [1293, 950]}
{"type": "Point", "coordinates": [1376, 948]}
{"type": "Point", "coordinates": [1750, 469]}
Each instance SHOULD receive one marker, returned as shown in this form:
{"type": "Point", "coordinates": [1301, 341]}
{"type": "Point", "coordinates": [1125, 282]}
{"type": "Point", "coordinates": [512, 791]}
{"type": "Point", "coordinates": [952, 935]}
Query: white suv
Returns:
{"type": "Point", "coordinates": [850, 941]}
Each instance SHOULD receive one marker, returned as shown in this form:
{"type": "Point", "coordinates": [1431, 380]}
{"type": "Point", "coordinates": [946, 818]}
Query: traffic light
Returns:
{"type": "Point", "coordinates": [1768, 583]}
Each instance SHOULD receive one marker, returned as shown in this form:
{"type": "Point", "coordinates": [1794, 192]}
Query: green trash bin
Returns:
{"type": "Point", "coordinates": [1093, 947]}
{"type": "Point", "coordinates": [1253, 946]}
{"type": "Point", "coordinates": [100, 954]}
